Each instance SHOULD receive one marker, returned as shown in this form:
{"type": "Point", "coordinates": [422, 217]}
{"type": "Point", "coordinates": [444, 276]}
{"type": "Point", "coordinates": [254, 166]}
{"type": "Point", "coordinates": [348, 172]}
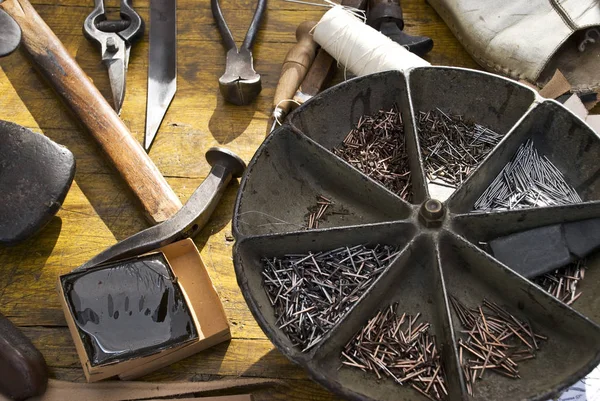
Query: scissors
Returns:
{"type": "Point", "coordinates": [114, 39]}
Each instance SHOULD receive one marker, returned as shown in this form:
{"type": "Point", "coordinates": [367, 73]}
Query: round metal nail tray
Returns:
{"type": "Point", "coordinates": [295, 164]}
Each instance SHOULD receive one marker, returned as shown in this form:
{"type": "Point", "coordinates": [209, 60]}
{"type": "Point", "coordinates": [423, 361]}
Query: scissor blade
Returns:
{"type": "Point", "coordinates": [162, 70]}
{"type": "Point", "coordinates": [116, 75]}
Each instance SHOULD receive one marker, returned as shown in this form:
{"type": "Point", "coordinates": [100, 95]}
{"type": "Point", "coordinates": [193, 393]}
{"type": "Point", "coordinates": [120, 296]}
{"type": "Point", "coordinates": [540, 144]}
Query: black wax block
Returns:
{"type": "Point", "coordinates": [583, 237]}
{"type": "Point", "coordinates": [128, 309]}
{"type": "Point", "coordinates": [533, 252]}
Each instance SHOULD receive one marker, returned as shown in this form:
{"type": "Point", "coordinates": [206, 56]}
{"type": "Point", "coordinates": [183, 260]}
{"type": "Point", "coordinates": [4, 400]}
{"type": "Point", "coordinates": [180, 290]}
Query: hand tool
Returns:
{"type": "Point", "coordinates": [295, 65]}
{"type": "Point", "coordinates": [189, 220]}
{"type": "Point", "coordinates": [318, 75]}
{"type": "Point", "coordinates": [320, 72]}
{"type": "Point", "coordinates": [540, 250]}
{"type": "Point", "coordinates": [24, 371]}
{"type": "Point", "coordinates": [114, 38]}
{"type": "Point", "coordinates": [35, 176]}
{"type": "Point", "coordinates": [79, 93]}
{"type": "Point", "coordinates": [162, 65]}
{"type": "Point", "coordinates": [240, 84]}
{"type": "Point", "coordinates": [10, 34]}
{"type": "Point", "coordinates": [386, 17]}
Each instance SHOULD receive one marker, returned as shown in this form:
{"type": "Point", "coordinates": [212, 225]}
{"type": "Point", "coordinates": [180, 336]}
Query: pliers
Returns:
{"type": "Point", "coordinates": [240, 83]}
{"type": "Point", "coordinates": [114, 39]}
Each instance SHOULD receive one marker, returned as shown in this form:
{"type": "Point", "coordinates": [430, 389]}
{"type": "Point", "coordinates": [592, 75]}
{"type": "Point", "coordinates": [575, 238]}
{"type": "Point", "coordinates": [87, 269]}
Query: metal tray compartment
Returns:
{"type": "Point", "coordinates": [437, 259]}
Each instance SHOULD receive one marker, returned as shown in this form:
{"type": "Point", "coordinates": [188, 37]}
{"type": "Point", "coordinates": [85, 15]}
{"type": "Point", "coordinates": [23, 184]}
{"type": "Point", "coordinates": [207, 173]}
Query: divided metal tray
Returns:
{"type": "Point", "coordinates": [295, 164]}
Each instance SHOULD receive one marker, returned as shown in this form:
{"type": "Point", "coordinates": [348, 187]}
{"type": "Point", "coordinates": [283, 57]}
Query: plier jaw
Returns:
{"type": "Point", "coordinates": [114, 38]}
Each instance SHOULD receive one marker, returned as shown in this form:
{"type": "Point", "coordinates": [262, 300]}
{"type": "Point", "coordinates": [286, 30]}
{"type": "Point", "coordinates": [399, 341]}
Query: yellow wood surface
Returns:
{"type": "Point", "coordinates": [99, 210]}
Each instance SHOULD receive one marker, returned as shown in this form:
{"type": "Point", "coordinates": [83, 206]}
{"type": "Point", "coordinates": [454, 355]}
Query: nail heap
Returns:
{"type": "Point", "coordinates": [376, 146]}
{"type": "Point", "coordinates": [451, 147]}
{"type": "Point", "coordinates": [317, 212]}
{"type": "Point", "coordinates": [528, 180]}
{"type": "Point", "coordinates": [496, 341]}
{"type": "Point", "coordinates": [312, 292]}
{"type": "Point", "coordinates": [562, 283]}
{"type": "Point", "coordinates": [397, 347]}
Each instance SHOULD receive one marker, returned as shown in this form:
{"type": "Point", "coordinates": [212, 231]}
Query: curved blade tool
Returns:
{"type": "Point", "coordinates": [162, 68]}
{"type": "Point", "coordinates": [189, 220]}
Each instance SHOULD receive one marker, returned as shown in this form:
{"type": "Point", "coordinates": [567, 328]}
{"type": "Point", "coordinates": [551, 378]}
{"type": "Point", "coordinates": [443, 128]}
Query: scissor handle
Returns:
{"type": "Point", "coordinates": [94, 112]}
{"type": "Point", "coordinates": [135, 31]}
{"type": "Point", "coordinates": [130, 29]}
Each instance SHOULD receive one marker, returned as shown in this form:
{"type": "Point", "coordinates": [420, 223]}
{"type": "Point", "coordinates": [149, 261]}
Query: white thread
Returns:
{"type": "Point", "coordinates": [358, 13]}
{"type": "Point", "coordinates": [360, 48]}
{"type": "Point", "coordinates": [277, 115]}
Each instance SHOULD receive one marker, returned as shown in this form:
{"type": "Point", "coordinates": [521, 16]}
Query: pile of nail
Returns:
{"type": "Point", "coordinates": [452, 147]}
{"type": "Point", "coordinates": [562, 283]}
{"type": "Point", "coordinates": [397, 347]}
{"type": "Point", "coordinates": [312, 292]}
{"type": "Point", "coordinates": [496, 341]}
{"type": "Point", "coordinates": [528, 180]}
{"type": "Point", "coordinates": [376, 146]}
{"type": "Point", "coordinates": [316, 213]}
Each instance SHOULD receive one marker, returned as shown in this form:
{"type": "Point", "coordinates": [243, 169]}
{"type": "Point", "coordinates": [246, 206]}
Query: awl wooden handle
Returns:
{"type": "Point", "coordinates": [80, 94]}
{"type": "Point", "coordinates": [296, 64]}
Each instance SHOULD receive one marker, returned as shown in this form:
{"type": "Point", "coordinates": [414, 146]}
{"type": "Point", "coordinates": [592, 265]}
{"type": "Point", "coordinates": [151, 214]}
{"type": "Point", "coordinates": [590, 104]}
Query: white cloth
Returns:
{"type": "Point", "coordinates": [517, 38]}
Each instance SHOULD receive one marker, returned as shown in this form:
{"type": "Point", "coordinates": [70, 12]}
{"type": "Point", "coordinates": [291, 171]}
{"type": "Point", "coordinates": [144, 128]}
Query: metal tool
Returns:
{"type": "Point", "coordinates": [240, 84]}
{"type": "Point", "coordinates": [386, 17]}
{"type": "Point", "coordinates": [35, 176]}
{"type": "Point", "coordinates": [189, 220]}
{"type": "Point", "coordinates": [295, 66]}
{"type": "Point", "coordinates": [10, 34]}
{"type": "Point", "coordinates": [79, 93]}
{"type": "Point", "coordinates": [315, 79]}
{"type": "Point", "coordinates": [114, 38]}
{"type": "Point", "coordinates": [162, 65]}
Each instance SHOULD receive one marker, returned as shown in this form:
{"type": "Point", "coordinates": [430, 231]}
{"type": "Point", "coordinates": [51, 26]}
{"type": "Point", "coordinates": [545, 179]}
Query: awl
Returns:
{"type": "Point", "coordinates": [323, 67]}
{"type": "Point", "coordinates": [294, 68]}
{"type": "Point", "coordinates": [162, 66]}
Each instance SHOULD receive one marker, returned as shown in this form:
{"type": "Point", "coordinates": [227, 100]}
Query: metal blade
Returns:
{"type": "Point", "coordinates": [162, 68]}
{"type": "Point", "coordinates": [116, 74]}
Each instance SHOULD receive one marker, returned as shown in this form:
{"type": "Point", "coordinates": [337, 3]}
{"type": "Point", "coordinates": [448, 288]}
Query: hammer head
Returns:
{"type": "Point", "coordinates": [10, 34]}
{"type": "Point", "coordinates": [240, 84]}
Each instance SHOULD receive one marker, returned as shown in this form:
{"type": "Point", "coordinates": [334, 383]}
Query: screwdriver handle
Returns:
{"type": "Point", "coordinates": [79, 93]}
{"type": "Point", "coordinates": [296, 64]}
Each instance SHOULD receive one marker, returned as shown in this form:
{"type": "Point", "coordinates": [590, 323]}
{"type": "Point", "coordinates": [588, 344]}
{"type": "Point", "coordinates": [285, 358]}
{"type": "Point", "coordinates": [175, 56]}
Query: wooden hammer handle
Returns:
{"type": "Point", "coordinates": [80, 94]}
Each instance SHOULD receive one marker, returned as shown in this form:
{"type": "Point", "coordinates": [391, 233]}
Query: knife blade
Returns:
{"type": "Point", "coordinates": [162, 67]}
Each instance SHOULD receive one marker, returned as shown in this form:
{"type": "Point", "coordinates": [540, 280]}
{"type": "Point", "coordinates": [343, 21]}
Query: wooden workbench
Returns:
{"type": "Point", "coordinates": [99, 210]}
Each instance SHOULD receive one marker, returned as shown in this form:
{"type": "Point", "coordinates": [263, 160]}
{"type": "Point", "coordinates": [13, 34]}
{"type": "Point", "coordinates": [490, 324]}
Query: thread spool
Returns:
{"type": "Point", "coordinates": [361, 49]}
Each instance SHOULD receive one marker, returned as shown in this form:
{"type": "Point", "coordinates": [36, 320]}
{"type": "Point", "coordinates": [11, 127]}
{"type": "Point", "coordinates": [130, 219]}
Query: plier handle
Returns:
{"type": "Point", "coordinates": [114, 38]}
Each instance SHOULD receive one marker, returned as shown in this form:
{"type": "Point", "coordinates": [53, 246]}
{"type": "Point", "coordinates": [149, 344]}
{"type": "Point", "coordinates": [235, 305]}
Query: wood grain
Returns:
{"type": "Point", "coordinates": [99, 209]}
{"type": "Point", "coordinates": [295, 65]}
{"type": "Point", "coordinates": [70, 82]}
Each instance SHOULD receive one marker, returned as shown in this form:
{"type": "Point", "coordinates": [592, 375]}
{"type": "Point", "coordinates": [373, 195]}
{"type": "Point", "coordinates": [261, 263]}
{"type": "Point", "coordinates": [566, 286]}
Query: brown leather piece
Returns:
{"type": "Point", "coordinates": [581, 69]}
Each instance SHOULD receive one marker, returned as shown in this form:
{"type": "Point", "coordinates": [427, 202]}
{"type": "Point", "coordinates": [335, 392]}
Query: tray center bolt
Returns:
{"type": "Point", "coordinates": [432, 213]}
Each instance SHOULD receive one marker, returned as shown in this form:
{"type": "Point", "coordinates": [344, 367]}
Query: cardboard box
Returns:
{"type": "Point", "coordinates": [204, 305]}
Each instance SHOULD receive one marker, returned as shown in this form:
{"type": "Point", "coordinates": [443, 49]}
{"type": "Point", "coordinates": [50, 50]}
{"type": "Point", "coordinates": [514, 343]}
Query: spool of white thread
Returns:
{"type": "Point", "coordinates": [360, 48]}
